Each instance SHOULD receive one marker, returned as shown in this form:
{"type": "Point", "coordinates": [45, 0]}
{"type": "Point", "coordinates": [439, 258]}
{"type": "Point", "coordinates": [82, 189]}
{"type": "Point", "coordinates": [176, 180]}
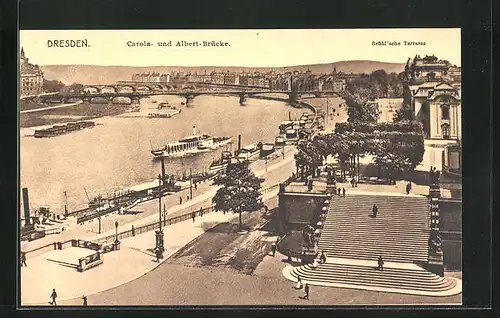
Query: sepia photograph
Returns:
{"type": "Point", "coordinates": [229, 167]}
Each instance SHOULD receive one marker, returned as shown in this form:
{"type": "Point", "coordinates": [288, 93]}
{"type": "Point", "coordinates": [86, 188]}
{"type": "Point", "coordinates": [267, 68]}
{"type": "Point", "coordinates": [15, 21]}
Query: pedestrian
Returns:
{"type": "Point", "coordinates": [195, 186]}
{"type": "Point", "coordinates": [374, 210]}
{"type": "Point", "coordinates": [187, 198]}
{"type": "Point", "coordinates": [343, 192]}
{"type": "Point", "coordinates": [133, 230]}
{"type": "Point", "coordinates": [338, 192]}
{"type": "Point", "coordinates": [180, 200]}
{"type": "Point", "coordinates": [201, 211]}
{"type": "Point", "coordinates": [266, 209]}
{"type": "Point", "coordinates": [53, 296]}
{"type": "Point", "coordinates": [193, 215]}
{"type": "Point", "coordinates": [84, 300]}
{"type": "Point", "coordinates": [380, 263]}
{"type": "Point", "coordinates": [306, 289]}
{"type": "Point", "coordinates": [408, 188]}
{"type": "Point", "coordinates": [299, 283]}
{"type": "Point", "coordinates": [322, 258]}
{"type": "Point", "coordinates": [157, 254]}
{"type": "Point", "coordinates": [23, 259]}
{"type": "Point", "coordinates": [352, 182]}
{"type": "Point", "coordinates": [273, 249]}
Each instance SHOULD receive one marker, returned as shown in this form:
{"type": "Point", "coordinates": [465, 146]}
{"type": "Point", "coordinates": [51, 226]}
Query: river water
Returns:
{"type": "Point", "coordinates": [115, 154]}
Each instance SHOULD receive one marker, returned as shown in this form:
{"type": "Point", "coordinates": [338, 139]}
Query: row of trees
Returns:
{"type": "Point", "coordinates": [396, 147]}
{"type": "Point", "coordinates": [59, 87]}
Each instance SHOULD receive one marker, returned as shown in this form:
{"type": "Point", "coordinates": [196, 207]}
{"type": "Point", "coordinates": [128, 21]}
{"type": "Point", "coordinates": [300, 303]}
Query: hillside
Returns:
{"type": "Point", "coordinates": [96, 74]}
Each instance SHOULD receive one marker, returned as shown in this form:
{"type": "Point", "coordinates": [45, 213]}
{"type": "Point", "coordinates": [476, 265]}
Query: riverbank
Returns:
{"type": "Point", "coordinates": [60, 115]}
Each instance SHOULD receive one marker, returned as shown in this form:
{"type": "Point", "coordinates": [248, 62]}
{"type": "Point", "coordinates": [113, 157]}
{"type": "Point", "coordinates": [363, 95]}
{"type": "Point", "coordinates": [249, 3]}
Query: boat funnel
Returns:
{"type": "Point", "coordinates": [194, 130]}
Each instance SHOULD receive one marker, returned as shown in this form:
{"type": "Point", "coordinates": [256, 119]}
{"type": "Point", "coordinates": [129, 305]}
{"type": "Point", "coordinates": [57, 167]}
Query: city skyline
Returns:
{"type": "Point", "coordinates": [248, 48]}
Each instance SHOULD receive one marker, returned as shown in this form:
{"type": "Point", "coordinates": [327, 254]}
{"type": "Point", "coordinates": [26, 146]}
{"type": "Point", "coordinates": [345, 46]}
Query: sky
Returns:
{"type": "Point", "coordinates": [251, 48]}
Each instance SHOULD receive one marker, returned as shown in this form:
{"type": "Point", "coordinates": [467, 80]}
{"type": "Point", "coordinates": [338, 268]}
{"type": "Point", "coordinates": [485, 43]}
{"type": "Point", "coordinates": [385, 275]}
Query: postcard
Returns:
{"type": "Point", "coordinates": [240, 167]}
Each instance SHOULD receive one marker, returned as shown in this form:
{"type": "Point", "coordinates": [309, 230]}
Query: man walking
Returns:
{"type": "Point", "coordinates": [408, 188]}
{"type": "Point", "coordinates": [306, 289]}
{"type": "Point", "coordinates": [343, 192]}
{"type": "Point", "coordinates": [338, 192]}
{"type": "Point", "coordinates": [157, 254]}
{"type": "Point", "coordinates": [374, 211]}
{"type": "Point", "coordinates": [273, 249]}
{"type": "Point", "coordinates": [84, 300]}
{"type": "Point", "coordinates": [53, 296]}
{"type": "Point", "coordinates": [180, 200]}
{"type": "Point", "coordinates": [380, 264]}
{"type": "Point", "coordinates": [23, 259]}
{"type": "Point", "coordinates": [201, 211]}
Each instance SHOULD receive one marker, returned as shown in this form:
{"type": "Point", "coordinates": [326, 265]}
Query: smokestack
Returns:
{"type": "Point", "coordinates": [163, 170]}
{"type": "Point", "coordinates": [26, 207]}
{"type": "Point", "coordinates": [239, 142]}
{"type": "Point", "coordinates": [194, 130]}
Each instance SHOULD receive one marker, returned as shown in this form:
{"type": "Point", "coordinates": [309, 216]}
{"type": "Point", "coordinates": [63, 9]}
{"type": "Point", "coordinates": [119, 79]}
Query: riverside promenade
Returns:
{"type": "Point", "coordinates": [57, 269]}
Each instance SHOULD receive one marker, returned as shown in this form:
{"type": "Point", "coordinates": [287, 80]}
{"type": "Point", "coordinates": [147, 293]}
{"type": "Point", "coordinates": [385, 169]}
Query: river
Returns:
{"type": "Point", "coordinates": [115, 154]}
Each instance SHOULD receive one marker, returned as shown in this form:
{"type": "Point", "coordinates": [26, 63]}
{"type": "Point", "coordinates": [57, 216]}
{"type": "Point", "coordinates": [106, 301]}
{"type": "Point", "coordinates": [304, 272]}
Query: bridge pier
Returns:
{"type": "Point", "coordinates": [243, 99]}
{"type": "Point", "coordinates": [189, 100]}
{"type": "Point", "coordinates": [293, 98]}
{"type": "Point", "coordinates": [135, 101]}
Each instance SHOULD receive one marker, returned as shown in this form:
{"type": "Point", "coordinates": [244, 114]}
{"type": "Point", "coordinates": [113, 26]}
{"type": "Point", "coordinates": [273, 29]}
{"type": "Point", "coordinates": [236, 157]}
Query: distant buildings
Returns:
{"type": "Point", "coordinates": [301, 81]}
{"type": "Point", "coordinates": [31, 77]}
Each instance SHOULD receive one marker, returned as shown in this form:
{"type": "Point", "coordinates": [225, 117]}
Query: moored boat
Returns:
{"type": "Point", "coordinates": [191, 144]}
{"type": "Point", "coordinates": [62, 129]}
{"type": "Point", "coordinates": [221, 163]}
{"type": "Point", "coordinates": [248, 152]}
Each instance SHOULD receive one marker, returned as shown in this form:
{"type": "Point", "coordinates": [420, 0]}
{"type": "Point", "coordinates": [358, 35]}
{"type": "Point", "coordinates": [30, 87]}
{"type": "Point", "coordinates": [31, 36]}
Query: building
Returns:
{"type": "Point", "coordinates": [31, 77]}
{"type": "Point", "coordinates": [231, 79]}
{"type": "Point", "coordinates": [428, 68]}
{"type": "Point", "coordinates": [438, 106]}
{"type": "Point", "coordinates": [387, 107]}
{"type": "Point", "coordinates": [149, 77]}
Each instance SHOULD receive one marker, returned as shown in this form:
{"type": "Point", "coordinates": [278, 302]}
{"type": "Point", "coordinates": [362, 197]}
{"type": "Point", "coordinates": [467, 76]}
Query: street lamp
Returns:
{"type": "Point", "coordinates": [116, 232]}
{"type": "Point", "coordinates": [159, 233]}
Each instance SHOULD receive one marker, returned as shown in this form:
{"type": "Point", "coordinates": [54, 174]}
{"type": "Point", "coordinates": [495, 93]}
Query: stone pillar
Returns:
{"type": "Point", "coordinates": [281, 209]}
{"type": "Point", "coordinates": [243, 99]}
{"type": "Point", "coordinates": [293, 98]}
{"type": "Point", "coordinates": [27, 217]}
{"type": "Point", "coordinates": [189, 100]}
{"type": "Point", "coordinates": [435, 258]}
{"type": "Point", "coordinates": [135, 100]}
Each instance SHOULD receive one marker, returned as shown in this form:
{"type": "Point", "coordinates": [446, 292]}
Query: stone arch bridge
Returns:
{"type": "Point", "coordinates": [136, 91]}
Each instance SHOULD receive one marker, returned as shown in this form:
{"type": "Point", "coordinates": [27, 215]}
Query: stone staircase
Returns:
{"type": "Point", "coordinates": [399, 233]}
{"type": "Point", "coordinates": [353, 240]}
{"type": "Point", "coordinates": [402, 280]}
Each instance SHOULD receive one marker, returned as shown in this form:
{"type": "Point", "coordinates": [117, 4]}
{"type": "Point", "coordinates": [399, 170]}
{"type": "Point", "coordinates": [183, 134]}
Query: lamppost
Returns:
{"type": "Point", "coordinates": [116, 232]}
{"type": "Point", "coordinates": [99, 212]}
{"type": "Point", "coordinates": [159, 233]}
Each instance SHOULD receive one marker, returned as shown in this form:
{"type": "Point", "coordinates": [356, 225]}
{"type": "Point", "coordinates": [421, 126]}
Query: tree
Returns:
{"type": "Point", "coordinates": [52, 86]}
{"type": "Point", "coordinates": [405, 113]}
{"type": "Point", "coordinates": [240, 191]}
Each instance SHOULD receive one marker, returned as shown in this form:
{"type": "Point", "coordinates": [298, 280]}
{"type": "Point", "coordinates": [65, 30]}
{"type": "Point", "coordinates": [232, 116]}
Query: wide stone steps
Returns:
{"type": "Point", "coordinates": [400, 232]}
{"type": "Point", "coordinates": [389, 278]}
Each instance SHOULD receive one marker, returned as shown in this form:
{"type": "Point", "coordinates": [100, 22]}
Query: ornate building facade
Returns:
{"type": "Point", "coordinates": [432, 89]}
{"type": "Point", "coordinates": [31, 77]}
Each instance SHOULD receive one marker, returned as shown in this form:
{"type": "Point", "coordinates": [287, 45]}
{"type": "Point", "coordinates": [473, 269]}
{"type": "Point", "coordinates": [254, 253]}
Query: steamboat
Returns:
{"type": "Point", "coordinates": [191, 145]}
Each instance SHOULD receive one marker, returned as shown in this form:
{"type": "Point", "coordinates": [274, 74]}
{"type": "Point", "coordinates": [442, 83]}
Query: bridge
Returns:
{"type": "Point", "coordinates": [136, 90]}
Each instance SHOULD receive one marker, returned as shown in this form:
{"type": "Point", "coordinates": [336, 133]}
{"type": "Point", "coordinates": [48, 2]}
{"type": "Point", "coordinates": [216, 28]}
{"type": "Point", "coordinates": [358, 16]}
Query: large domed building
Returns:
{"type": "Point", "coordinates": [31, 77]}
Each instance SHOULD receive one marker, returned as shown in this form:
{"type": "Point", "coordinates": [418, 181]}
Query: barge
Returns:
{"type": "Point", "coordinates": [63, 129]}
